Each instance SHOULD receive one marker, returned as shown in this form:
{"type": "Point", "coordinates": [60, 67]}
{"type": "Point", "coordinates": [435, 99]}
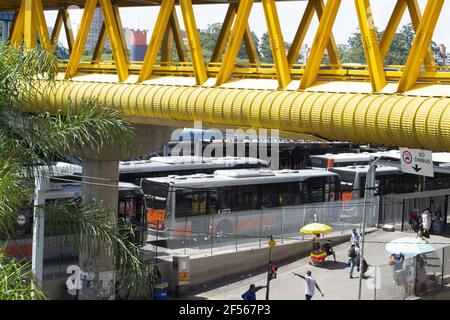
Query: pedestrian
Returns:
{"type": "Point", "coordinates": [356, 236]}
{"type": "Point", "coordinates": [426, 220]}
{"type": "Point", "coordinates": [396, 260]}
{"type": "Point", "coordinates": [310, 285]}
{"type": "Point", "coordinates": [316, 242]}
{"type": "Point", "coordinates": [353, 254]}
{"type": "Point", "coordinates": [329, 250]}
{"type": "Point", "coordinates": [250, 294]}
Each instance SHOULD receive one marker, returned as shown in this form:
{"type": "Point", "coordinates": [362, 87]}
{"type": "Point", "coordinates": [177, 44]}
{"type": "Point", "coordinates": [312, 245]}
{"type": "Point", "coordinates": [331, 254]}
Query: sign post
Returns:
{"type": "Point", "coordinates": [272, 244]}
{"type": "Point", "coordinates": [418, 162]}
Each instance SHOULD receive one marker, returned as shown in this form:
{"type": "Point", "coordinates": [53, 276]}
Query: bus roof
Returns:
{"type": "Point", "coordinates": [381, 170]}
{"type": "Point", "coordinates": [438, 157]}
{"type": "Point", "coordinates": [179, 163]}
{"type": "Point", "coordinates": [344, 157]}
{"type": "Point", "coordinates": [156, 164]}
{"type": "Point", "coordinates": [240, 177]}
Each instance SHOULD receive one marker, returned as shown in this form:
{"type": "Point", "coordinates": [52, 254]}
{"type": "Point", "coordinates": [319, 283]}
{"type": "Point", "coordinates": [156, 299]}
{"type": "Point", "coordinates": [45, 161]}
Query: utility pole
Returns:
{"type": "Point", "coordinates": [368, 187]}
{"type": "Point", "coordinates": [37, 254]}
{"type": "Point", "coordinates": [272, 244]}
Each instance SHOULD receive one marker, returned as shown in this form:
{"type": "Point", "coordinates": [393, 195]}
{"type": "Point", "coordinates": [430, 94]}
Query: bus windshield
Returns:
{"type": "Point", "coordinates": [156, 202]}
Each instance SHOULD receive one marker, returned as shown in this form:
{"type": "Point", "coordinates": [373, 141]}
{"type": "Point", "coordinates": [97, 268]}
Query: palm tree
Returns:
{"type": "Point", "coordinates": [30, 140]}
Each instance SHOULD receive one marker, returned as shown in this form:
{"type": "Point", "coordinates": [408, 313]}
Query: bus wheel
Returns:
{"type": "Point", "coordinates": [224, 230]}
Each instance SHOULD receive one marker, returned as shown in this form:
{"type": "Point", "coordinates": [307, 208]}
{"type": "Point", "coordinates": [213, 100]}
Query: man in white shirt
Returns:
{"type": "Point", "coordinates": [356, 237]}
{"type": "Point", "coordinates": [310, 285]}
{"type": "Point", "coordinates": [426, 220]}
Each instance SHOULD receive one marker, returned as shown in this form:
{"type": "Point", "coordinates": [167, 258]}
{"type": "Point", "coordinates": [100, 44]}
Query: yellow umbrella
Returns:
{"type": "Point", "coordinates": [316, 228]}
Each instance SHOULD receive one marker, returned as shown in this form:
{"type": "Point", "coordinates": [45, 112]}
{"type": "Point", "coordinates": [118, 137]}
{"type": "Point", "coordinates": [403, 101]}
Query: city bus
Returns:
{"type": "Point", "coordinates": [134, 171]}
{"type": "Point", "coordinates": [388, 180]}
{"type": "Point", "coordinates": [337, 160]}
{"type": "Point", "coordinates": [175, 203]}
{"type": "Point", "coordinates": [330, 160]}
{"type": "Point", "coordinates": [130, 208]}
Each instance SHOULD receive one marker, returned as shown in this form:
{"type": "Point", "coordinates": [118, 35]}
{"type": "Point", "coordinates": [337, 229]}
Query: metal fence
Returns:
{"type": "Point", "coordinates": [240, 230]}
{"type": "Point", "coordinates": [414, 277]}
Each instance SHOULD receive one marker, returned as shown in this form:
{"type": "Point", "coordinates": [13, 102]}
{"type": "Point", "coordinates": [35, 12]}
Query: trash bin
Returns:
{"type": "Point", "coordinates": [160, 290]}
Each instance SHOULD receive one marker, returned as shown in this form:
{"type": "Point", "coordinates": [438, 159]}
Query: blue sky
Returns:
{"type": "Point", "coordinates": [289, 13]}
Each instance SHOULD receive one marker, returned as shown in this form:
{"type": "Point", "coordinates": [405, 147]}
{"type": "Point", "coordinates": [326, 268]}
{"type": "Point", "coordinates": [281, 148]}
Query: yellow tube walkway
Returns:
{"type": "Point", "coordinates": [388, 119]}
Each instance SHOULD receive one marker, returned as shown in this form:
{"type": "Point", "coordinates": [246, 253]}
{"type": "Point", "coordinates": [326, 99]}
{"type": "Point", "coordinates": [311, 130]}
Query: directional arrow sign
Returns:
{"type": "Point", "coordinates": [416, 161]}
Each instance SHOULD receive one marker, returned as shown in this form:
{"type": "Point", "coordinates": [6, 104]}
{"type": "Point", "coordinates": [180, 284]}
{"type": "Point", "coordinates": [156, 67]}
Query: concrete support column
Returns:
{"type": "Point", "coordinates": [100, 176]}
{"type": "Point", "coordinates": [99, 276]}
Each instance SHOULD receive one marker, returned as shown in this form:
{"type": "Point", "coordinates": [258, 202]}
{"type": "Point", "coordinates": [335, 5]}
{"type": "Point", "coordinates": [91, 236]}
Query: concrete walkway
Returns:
{"type": "Point", "coordinates": [332, 278]}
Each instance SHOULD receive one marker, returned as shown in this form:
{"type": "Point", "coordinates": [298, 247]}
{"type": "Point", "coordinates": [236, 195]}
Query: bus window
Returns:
{"type": "Point", "coordinates": [184, 203]}
{"type": "Point", "coordinates": [199, 200]}
{"type": "Point", "coordinates": [248, 197]}
{"type": "Point", "coordinates": [126, 209]}
{"type": "Point", "coordinates": [213, 202]}
{"type": "Point", "coordinates": [316, 192]}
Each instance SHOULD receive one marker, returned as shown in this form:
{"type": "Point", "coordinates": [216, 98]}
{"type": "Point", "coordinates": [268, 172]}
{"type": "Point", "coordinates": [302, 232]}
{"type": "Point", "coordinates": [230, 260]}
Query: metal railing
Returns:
{"type": "Point", "coordinates": [233, 231]}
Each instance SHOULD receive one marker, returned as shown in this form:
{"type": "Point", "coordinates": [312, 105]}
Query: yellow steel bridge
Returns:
{"type": "Point", "coordinates": [393, 105]}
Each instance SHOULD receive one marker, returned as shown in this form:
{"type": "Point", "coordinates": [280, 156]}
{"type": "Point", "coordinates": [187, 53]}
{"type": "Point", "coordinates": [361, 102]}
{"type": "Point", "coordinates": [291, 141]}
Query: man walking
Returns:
{"type": "Point", "coordinates": [356, 237]}
{"type": "Point", "coordinates": [310, 285]}
{"type": "Point", "coordinates": [354, 261]}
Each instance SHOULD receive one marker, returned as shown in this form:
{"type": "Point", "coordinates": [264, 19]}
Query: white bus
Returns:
{"type": "Point", "coordinates": [174, 202]}
{"type": "Point", "coordinates": [388, 180]}
{"type": "Point", "coordinates": [337, 160]}
{"type": "Point", "coordinates": [130, 207]}
{"type": "Point", "coordinates": [134, 171]}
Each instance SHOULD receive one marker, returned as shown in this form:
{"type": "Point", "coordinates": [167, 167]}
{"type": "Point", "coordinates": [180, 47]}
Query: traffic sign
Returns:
{"type": "Point", "coordinates": [272, 243]}
{"type": "Point", "coordinates": [415, 161]}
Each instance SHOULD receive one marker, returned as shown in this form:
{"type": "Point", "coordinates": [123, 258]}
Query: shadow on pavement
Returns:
{"type": "Point", "coordinates": [331, 265]}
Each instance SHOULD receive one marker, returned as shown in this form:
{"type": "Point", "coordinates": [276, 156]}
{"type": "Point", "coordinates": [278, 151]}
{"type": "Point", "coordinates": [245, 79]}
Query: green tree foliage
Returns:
{"type": "Point", "coordinates": [29, 140]}
{"type": "Point", "coordinates": [353, 51]}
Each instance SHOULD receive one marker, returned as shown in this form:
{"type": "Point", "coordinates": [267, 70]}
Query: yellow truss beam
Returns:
{"type": "Point", "coordinates": [155, 41]}
{"type": "Point", "coordinates": [68, 29]}
{"type": "Point", "coordinates": [224, 33]}
{"type": "Point", "coordinates": [252, 51]}
{"type": "Point", "coordinates": [195, 47]}
{"type": "Point", "coordinates": [29, 31]}
{"type": "Point", "coordinates": [77, 51]}
{"type": "Point", "coordinates": [177, 36]}
{"type": "Point", "coordinates": [17, 31]}
{"type": "Point", "coordinates": [301, 33]}
{"type": "Point", "coordinates": [100, 45]}
{"type": "Point", "coordinates": [391, 28]}
{"type": "Point", "coordinates": [115, 39]}
{"type": "Point", "coordinates": [277, 43]}
{"type": "Point", "coordinates": [416, 18]}
{"type": "Point", "coordinates": [420, 45]}
{"type": "Point", "coordinates": [57, 28]}
{"type": "Point", "coordinates": [321, 41]}
{"type": "Point", "coordinates": [167, 45]}
{"type": "Point", "coordinates": [41, 25]}
{"type": "Point", "coordinates": [120, 28]}
{"type": "Point", "coordinates": [370, 43]}
{"type": "Point", "coordinates": [332, 50]}
{"type": "Point", "coordinates": [234, 42]}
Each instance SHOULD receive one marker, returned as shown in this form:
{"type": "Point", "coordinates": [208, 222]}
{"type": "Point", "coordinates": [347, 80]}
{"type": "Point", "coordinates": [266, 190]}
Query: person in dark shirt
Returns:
{"type": "Point", "coordinates": [250, 294]}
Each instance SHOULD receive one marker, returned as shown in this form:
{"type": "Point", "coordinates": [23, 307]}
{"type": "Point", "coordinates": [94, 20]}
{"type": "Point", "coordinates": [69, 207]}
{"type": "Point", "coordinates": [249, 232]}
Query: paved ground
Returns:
{"type": "Point", "coordinates": [332, 278]}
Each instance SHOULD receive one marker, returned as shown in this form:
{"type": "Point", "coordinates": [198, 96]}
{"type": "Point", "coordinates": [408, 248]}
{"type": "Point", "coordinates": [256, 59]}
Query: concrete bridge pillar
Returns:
{"type": "Point", "coordinates": [100, 182]}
